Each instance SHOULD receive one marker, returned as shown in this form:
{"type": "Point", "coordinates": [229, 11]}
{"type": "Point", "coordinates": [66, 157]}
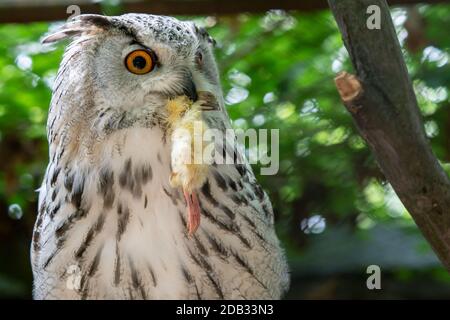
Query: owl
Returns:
{"type": "Point", "coordinates": [118, 216]}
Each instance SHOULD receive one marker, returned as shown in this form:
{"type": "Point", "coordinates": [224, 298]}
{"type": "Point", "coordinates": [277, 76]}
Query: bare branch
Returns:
{"type": "Point", "coordinates": [383, 104]}
{"type": "Point", "coordinates": [13, 11]}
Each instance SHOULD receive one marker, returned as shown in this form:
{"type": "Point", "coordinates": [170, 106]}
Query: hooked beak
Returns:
{"type": "Point", "coordinates": [189, 88]}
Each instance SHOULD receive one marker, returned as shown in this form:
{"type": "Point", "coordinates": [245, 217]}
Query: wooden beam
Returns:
{"type": "Point", "coordinates": [48, 11]}
{"type": "Point", "coordinates": [382, 102]}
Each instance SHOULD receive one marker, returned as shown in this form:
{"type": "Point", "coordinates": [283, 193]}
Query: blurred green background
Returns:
{"type": "Point", "coordinates": [335, 213]}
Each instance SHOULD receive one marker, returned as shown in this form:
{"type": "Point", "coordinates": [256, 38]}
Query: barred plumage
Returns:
{"type": "Point", "coordinates": [108, 219]}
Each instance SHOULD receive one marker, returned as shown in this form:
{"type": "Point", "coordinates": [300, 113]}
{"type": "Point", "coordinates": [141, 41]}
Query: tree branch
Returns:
{"type": "Point", "coordinates": [30, 10]}
{"type": "Point", "coordinates": [382, 102]}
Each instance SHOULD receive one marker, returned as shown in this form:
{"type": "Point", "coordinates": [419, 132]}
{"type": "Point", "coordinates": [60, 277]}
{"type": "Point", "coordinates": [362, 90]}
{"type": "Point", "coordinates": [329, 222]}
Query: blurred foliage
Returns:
{"type": "Point", "coordinates": [335, 213]}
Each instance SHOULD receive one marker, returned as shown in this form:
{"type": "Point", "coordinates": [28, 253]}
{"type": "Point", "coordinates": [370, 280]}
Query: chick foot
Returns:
{"type": "Point", "coordinates": [193, 208]}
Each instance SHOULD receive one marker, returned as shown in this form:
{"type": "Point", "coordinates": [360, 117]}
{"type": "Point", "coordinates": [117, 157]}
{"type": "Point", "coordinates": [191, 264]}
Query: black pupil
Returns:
{"type": "Point", "coordinates": [139, 62]}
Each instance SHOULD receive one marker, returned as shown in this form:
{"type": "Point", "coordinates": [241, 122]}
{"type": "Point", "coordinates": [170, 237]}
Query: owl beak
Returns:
{"type": "Point", "coordinates": [189, 88]}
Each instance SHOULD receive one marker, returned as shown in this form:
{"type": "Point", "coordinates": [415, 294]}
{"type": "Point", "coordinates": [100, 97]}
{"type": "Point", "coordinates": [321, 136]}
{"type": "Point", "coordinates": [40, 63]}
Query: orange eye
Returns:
{"type": "Point", "coordinates": [140, 61]}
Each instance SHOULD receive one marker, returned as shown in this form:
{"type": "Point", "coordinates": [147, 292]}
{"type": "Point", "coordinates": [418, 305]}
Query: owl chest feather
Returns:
{"type": "Point", "coordinates": [118, 230]}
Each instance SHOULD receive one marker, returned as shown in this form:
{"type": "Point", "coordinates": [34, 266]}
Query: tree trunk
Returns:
{"type": "Point", "coordinates": [382, 102]}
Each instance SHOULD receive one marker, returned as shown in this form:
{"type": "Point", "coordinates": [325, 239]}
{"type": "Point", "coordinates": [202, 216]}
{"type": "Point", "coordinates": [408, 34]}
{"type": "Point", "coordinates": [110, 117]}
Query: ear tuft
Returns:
{"type": "Point", "coordinates": [77, 26]}
{"type": "Point", "coordinates": [201, 32]}
{"type": "Point", "coordinates": [96, 20]}
{"type": "Point", "coordinates": [61, 35]}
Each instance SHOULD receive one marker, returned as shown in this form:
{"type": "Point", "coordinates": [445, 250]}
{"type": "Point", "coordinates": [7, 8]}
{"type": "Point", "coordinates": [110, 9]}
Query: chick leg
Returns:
{"type": "Point", "coordinates": [193, 207]}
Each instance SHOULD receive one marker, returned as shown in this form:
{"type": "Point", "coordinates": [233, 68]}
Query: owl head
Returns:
{"type": "Point", "coordinates": [129, 62]}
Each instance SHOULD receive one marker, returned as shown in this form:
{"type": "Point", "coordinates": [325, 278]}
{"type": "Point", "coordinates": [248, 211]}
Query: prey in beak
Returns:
{"type": "Point", "coordinates": [185, 112]}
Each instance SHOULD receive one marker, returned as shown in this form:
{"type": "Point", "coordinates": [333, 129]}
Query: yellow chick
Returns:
{"type": "Point", "coordinates": [186, 128]}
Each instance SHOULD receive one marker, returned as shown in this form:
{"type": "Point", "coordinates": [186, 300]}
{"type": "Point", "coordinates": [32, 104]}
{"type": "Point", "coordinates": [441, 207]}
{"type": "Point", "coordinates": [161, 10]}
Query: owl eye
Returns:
{"type": "Point", "coordinates": [140, 61]}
